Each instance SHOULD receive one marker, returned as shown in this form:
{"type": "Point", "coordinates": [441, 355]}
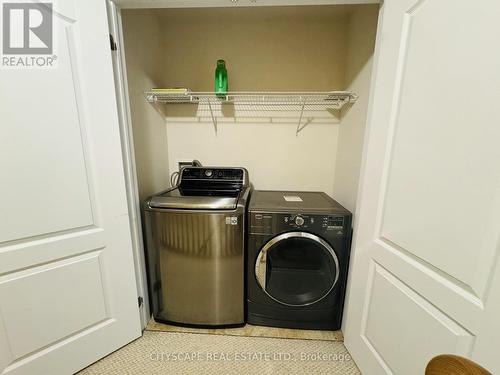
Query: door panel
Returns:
{"type": "Point", "coordinates": [51, 185]}
{"type": "Point", "coordinates": [44, 249]}
{"type": "Point", "coordinates": [82, 283]}
{"type": "Point", "coordinates": [387, 329]}
{"type": "Point", "coordinates": [444, 180]}
{"type": "Point", "coordinates": [436, 287]}
{"type": "Point", "coordinates": [67, 284]}
{"type": "Point", "coordinates": [423, 277]}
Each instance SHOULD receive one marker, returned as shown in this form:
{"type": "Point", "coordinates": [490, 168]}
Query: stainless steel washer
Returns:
{"type": "Point", "coordinates": [195, 235]}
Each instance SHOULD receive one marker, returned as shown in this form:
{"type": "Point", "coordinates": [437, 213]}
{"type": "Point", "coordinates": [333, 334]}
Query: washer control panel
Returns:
{"type": "Point", "coordinates": [207, 173]}
{"type": "Point", "coordinates": [265, 223]}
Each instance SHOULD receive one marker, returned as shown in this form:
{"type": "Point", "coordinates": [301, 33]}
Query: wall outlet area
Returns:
{"type": "Point", "coordinates": [191, 163]}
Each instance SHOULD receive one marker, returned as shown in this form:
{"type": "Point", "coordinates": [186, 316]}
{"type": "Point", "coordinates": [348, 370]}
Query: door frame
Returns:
{"type": "Point", "coordinates": [137, 4]}
{"type": "Point", "coordinates": [122, 96]}
{"type": "Point", "coordinates": [127, 142]}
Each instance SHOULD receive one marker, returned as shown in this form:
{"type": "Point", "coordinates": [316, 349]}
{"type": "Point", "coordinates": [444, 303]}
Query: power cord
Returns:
{"type": "Point", "coordinates": [174, 177]}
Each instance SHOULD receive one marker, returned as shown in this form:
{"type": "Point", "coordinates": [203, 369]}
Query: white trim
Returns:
{"type": "Point", "coordinates": [127, 141]}
{"type": "Point", "coordinates": [362, 174]}
{"type": "Point", "coordinates": [123, 4]}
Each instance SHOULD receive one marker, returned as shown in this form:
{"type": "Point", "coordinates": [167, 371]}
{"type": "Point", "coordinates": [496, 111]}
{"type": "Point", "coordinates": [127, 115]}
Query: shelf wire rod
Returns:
{"type": "Point", "coordinates": [300, 118]}
{"type": "Point", "coordinates": [214, 120]}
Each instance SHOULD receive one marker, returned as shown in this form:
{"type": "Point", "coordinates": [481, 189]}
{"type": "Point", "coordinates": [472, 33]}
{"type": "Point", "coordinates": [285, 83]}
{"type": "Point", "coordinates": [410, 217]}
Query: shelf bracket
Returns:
{"type": "Point", "coordinates": [214, 120]}
{"type": "Point", "coordinates": [300, 117]}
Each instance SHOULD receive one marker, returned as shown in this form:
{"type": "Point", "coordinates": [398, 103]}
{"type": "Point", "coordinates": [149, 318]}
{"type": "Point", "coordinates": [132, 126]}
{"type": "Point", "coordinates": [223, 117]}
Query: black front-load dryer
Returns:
{"type": "Point", "coordinates": [297, 259]}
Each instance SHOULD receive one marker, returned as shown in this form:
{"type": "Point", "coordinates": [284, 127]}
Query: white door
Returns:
{"type": "Point", "coordinates": [67, 286]}
{"type": "Point", "coordinates": [425, 271]}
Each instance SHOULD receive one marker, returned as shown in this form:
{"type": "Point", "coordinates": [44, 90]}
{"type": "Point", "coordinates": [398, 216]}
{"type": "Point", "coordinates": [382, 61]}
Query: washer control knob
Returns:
{"type": "Point", "coordinates": [209, 173]}
{"type": "Point", "coordinates": [299, 220]}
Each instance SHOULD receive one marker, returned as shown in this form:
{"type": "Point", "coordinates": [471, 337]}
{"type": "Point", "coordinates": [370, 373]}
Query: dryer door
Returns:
{"type": "Point", "coordinates": [297, 268]}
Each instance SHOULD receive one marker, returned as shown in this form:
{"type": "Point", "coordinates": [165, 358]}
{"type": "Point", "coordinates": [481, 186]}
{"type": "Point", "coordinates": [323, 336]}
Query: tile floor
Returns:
{"type": "Point", "coordinates": [253, 331]}
{"type": "Point", "coordinates": [248, 350]}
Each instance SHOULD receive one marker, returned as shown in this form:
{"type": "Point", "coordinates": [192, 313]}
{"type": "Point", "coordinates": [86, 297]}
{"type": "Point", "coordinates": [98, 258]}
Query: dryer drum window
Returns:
{"type": "Point", "coordinates": [297, 268]}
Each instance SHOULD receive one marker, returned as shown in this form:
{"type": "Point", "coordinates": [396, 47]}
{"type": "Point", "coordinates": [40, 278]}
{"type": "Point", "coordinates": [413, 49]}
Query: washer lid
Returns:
{"type": "Point", "coordinates": [193, 199]}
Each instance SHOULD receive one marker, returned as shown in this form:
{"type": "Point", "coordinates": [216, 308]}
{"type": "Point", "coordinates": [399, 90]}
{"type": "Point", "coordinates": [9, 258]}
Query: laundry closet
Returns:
{"type": "Point", "coordinates": [267, 50]}
{"type": "Point", "coordinates": [293, 116]}
{"type": "Point", "coordinates": [362, 100]}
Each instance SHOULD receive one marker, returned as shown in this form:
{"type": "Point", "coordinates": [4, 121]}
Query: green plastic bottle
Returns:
{"type": "Point", "coordinates": [221, 78]}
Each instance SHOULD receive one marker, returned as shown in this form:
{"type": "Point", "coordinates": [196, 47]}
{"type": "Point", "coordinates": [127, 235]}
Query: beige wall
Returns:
{"type": "Point", "coordinates": [268, 48]}
{"type": "Point", "coordinates": [291, 48]}
{"type": "Point", "coordinates": [362, 32]}
{"type": "Point", "coordinates": [142, 51]}
{"type": "Point", "coordinates": [265, 48]}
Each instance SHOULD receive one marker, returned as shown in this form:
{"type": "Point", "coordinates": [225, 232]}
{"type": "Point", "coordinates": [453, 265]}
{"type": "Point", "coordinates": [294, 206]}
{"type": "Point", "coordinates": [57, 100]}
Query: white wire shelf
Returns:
{"type": "Point", "coordinates": [330, 98]}
{"type": "Point", "coordinates": [286, 99]}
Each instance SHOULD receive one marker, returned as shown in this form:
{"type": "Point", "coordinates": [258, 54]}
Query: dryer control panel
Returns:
{"type": "Point", "coordinates": [266, 223]}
